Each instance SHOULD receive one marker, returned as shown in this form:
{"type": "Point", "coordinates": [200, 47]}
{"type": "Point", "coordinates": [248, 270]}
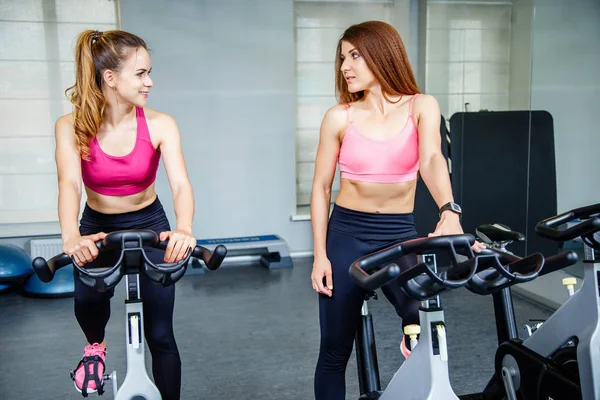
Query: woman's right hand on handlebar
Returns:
{"type": "Point", "coordinates": [83, 248]}
{"type": "Point", "coordinates": [322, 269]}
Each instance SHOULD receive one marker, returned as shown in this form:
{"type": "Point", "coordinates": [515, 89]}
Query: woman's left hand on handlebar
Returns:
{"type": "Point", "coordinates": [180, 242]}
{"type": "Point", "coordinates": [450, 225]}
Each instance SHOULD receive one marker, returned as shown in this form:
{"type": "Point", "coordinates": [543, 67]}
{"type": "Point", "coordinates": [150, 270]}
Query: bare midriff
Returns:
{"type": "Point", "coordinates": [120, 204]}
{"type": "Point", "coordinates": [384, 198]}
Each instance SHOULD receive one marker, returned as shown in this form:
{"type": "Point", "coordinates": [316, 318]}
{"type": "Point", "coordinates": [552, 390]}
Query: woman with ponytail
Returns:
{"type": "Point", "coordinates": [112, 143]}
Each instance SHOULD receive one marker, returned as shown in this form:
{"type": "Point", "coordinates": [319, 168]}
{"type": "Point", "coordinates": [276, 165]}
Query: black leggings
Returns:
{"type": "Point", "coordinates": [92, 308]}
{"type": "Point", "coordinates": [352, 234]}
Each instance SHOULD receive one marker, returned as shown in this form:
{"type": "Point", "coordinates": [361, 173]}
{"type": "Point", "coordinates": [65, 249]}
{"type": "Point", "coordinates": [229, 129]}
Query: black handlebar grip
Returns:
{"type": "Point", "coordinates": [378, 258]}
{"type": "Point", "coordinates": [377, 279]}
{"type": "Point", "coordinates": [547, 227]}
{"type": "Point", "coordinates": [559, 261]}
{"type": "Point", "coordinates": [450, 243]}
{"type": "Point", "coordinates": [45, 270]}
{"type": "Point", "coordinates": [587, 211]}
{"type": "Point", "coordinates": [212, 259]}
{"type": "Point", "coordinates": [527, 265]}
{"type": "Point", "coordinates": [42, 270]}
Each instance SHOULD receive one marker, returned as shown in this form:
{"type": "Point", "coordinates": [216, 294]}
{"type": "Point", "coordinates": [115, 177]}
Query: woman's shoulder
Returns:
{"type": "Point", "coordinates": [336, 117]}
{"type": "Point", "coordinates": [64, 131]}
{"type": "Point", "coordinates": [425, 107]}
{"type": "Point", "coordinates": [160, 122]}
{"type": "Point", "coordinates": [162, 125]}
{"type": "Point", "coordinates": [156, 116]}
{"type": "Point", "coordinates": [337, 111]}
{"type": "Point", "coordinates": [66, 119]}
{"type": "Point", "coordinates": [424, 100]}
{"type": "Point", "coordinates": [64, 124]}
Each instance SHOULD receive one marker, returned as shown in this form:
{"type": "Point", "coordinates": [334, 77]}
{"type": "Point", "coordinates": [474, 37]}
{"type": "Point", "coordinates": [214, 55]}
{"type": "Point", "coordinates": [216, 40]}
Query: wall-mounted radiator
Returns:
{"type": "Point", "coordinates": [46, 248]}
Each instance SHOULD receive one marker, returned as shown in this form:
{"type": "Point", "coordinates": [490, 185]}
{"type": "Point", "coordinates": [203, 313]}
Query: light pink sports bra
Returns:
{"type": "Point", "coordinates": [125, 175]}
{"type": "Point", "coordinates": [383, 161]}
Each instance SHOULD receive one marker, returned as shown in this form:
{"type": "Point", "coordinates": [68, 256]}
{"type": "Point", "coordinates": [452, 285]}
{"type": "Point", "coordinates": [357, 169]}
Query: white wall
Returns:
{"type": "Point", "coordinates": [520, 54]}
{"type": "Point", "coordinates": [225, 71]}
{"type": "Point", "coordinates": [36, 66]}
{"type": "Point", "coordinates": [566, 82]}
{"type": "Point", "coordinates": [468, 55]}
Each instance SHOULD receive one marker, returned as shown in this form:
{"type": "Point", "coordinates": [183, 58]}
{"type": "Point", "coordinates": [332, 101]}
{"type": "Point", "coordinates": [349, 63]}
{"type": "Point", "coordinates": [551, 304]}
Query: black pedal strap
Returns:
{"type": "Point", "coordinates": [86, 361]}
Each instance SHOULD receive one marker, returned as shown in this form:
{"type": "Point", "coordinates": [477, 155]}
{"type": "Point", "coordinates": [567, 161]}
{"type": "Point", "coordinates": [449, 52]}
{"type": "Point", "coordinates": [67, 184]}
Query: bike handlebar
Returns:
{"type": "Point", "coordinates": [370, 271]}
{"type": "Point", "coordinates": [123, 240]}
{"type": "Point", "coordinates": [559, 261]}
{"type": "Point", "coordinates": [591, 215]}
{"type": "Point", "coordinates": [483, 273]}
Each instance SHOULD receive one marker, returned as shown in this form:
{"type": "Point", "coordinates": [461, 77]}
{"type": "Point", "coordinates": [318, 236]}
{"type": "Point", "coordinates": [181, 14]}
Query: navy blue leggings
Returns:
{"type": "Point", "coordinates": [92, 308]}
{"type": "Point", "coordinates": [352, 234]}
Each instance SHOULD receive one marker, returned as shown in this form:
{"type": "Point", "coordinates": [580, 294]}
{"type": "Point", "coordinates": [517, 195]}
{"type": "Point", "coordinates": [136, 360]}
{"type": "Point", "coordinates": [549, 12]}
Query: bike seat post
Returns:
{"type": "Point", "coordinates": [365, 308]}
{"type": "Point", "coordinates": [136, 380]}
{"type": "Point", "coordinates": [132, 282]}
{"type": "Point", "coordinates": [133, 260]}
{"type": "Point", "coordinates": [502, 246]}
{"type": "Point", "coordinates": [133, 302]}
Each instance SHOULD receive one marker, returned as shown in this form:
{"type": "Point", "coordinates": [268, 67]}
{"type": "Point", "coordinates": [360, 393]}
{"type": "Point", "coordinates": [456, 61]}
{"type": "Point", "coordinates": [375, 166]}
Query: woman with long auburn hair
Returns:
{"type": "Point", "coordinates": [113, 143]}
{"type": "Point", "coordinates": [383, 134]}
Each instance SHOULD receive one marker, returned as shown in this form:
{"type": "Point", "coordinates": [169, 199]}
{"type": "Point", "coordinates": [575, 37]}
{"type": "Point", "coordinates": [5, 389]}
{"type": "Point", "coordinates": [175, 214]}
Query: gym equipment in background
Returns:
{"type": "Point", "coordinates": [15, 267]}
{"type": "Point", "coordinates": [503, 169]}
{"type": "Point", "coordinates": [271, 251]}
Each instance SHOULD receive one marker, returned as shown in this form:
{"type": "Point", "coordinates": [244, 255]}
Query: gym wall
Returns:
{"type": "Point", "coordinates": [225, 72]}
{"type": "Point", "coordinates": [520, 54]}
{"type": "Point", "coordinates": [566, 82]}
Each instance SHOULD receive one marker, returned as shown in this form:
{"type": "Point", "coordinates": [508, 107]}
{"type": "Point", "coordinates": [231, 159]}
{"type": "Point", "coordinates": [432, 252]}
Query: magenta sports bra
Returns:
{"type": "Point", "coordinates": [383, 161]}
{"type": "Point", "coordinates": [124, 175]}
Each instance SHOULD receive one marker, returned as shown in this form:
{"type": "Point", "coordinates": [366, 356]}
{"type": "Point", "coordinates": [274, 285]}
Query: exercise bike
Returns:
{"type": "Point", "coordinates": [131, 262]}
{"type": "Point", "coordinates": [424, 375]}
{"type": "Point", "coordinates": [496, 237]}
{"type": "Point", "coordinates": [561, 358]}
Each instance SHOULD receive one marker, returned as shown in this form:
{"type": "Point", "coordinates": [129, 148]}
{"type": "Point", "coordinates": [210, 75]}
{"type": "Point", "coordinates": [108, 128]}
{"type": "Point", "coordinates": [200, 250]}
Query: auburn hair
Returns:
{"type": "Point", "coordinates": [381, 46]}
{"type": "Point", "coordinates": [96, 52]}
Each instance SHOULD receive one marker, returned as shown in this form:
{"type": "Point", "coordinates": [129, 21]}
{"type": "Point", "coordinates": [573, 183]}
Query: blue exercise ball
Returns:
{"type": "Point", "coordinates": [62, 285]}
{"type": "Point", "coordinates": [15, 264]}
